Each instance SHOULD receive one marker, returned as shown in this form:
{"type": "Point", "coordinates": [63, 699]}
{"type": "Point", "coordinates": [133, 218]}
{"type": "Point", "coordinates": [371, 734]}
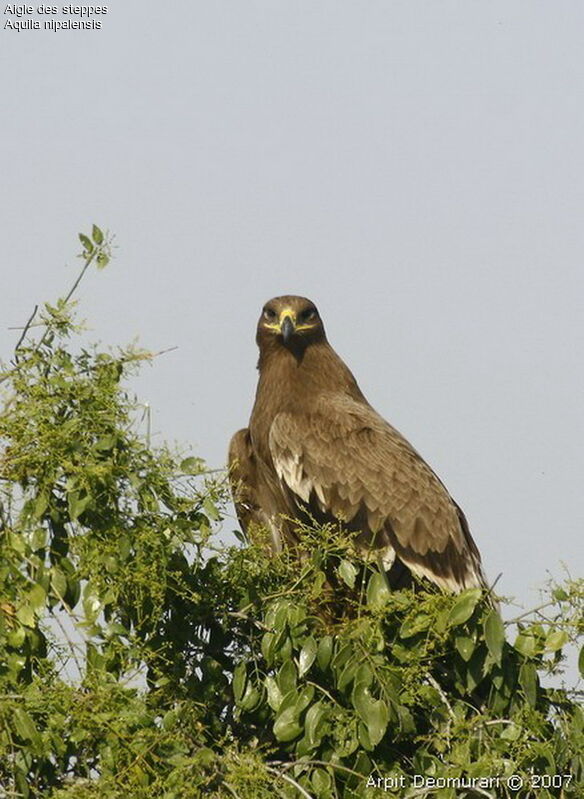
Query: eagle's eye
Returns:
{"type": "Point", "coordinates": [269, 314]}
{"type": "Point", "coordinates": [308, 315]}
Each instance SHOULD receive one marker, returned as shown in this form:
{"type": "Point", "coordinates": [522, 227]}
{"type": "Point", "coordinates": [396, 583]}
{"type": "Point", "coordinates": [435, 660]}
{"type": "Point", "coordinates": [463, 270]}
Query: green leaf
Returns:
{"type": "Point", "coordinates": [364, 739]}
{"type": "Point", "coordinates": [211, 509]}
{"type": "Point", "coordinates": [364, 675]}
{"type": "Point", "coordinates": [555, 640]}
{"type": "Point", "coordinates": [307, 656]}
{"type": "Point", "coordinates": [378, 594]}
{"type": "Point", "coordinates": [321, 783]}
{"type": "Point", "coordinates": [250, 699]}
{"type": "Point", "coordinates": [314, 723]}
{"type": "Point", "coordinates": [287, 726]}
{"type": "Point", "coordinates": [276, 614]}
{"type": "Point", "coordinates": [511, 732]}
{"type": "Point", "coordinates": [348, 573]}
{"type": "Point", "coordinates": [528, 681]}
{"type": "Point", "coordinates": [475, 670]}
{"type": "Point", "coordinates": [274, 693]}
{"type": "Point", "coordinates": [37, 597]}
{"type": "Point", "coordinates": [268, 641]}
{"type": "Point", "coordinates": [192, 465]}
{"type": "Point", "coordinates": [25, 615]}
{"type": "Point", "coordinates": [95, 659]}
{"type": "Point", "coordinates": [40, 505]}
{"type": "Point", "coordinates": [39, 538]}
{"type": "Point", "coordinates": [373, 712]}
{"type": "Point", "coordinates": [16, 638]}
{"type": "Point", "coordinates": [289, 699]}
{"type": "Point", "coordinates": [303, 747]}
{"type": "Point", "coordinates": [526, 645]}
{"type": "Point", "coordinates": [92, 604]}
{"type": "Point", "coordinates": [87, 243]}
{"type": "Point", "coordinates": [17, 543]}
{"type": "Point", "coordinates": [465, 646]}
{"type": "Point", "coordinates": [97, 235]}
{"type": "Point", "coordinates": [296, 616]}
{"type": "Point", "coordinates": [304, 698]}
{"type": "Point", "coordinates": [102, 260]}
{"type": "Point", "coordinates": [412, 625]}
{"type": "Point", "coordinates": [286, 678]}
{"type": "Point", "coordinates": [77, 504]}
{"type": "Point", "coordinates": [464, 607]}
{"type": "Point", "coordinates": [239, 681]}
{"type": "Point", "coordinates": [581, 661]}
{"type": "Point", "coordinates": [494, 633]}
{"type": "Point", "coordinates": [406, 720]}
{"type": "Point", "coordinates": [347, 674]}
{"type": "Point", "coordinates": [324, 652]}
{"type": "Point", "coordinates": [105, 443]}
{"type": "Point", "coordinates": [24, 725]}
{"type": "Point", "coordinates": [341, 657]}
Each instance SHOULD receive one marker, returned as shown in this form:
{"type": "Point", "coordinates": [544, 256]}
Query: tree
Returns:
{"type": "Point", "coordinates": [139, 658]}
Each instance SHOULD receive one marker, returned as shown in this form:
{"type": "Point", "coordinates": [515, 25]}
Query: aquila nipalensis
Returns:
{"type": "Point", "coordinates": [315, 450]}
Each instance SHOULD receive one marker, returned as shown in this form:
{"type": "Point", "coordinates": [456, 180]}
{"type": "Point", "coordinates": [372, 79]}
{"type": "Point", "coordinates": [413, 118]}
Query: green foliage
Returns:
{"type": "Point", "coordinates": [140, 659]}
{"type": "Point", "coordinates": [402, 684]}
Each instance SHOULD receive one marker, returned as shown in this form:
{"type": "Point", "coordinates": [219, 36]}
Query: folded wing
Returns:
{"type": "Point", "coordinates": [344, 462]}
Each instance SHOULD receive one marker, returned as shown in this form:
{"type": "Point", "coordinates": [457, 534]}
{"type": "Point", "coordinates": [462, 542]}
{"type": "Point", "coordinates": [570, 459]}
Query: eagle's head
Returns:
{"type": "Point", "coordinates": [289, 321]}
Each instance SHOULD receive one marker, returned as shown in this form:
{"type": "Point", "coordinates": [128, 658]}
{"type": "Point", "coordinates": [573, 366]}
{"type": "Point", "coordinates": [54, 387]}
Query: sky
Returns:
{"type": "Point", "coordinates": [415, 168]}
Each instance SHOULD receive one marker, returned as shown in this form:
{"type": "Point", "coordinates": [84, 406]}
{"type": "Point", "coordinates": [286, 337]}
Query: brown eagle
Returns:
{"type": "Point", "coordinates": [315, 450]}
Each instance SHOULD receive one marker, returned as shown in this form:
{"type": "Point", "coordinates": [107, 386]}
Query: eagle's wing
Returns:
{"type": "Point", "coordinates": [349, 463]}
{"type": "Point", "coordinates": [251, 495]}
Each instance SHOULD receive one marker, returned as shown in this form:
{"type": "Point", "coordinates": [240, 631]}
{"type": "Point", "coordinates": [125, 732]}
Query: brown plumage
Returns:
{"type": "Point", "coordinates": [316, 450]}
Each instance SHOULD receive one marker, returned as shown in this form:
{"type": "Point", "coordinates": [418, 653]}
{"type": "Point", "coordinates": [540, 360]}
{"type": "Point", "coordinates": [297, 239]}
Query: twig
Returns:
{"type": "Point", "coordinates": [286, 766]}
{"type": "Point", "coordinates": [25, 330]}
{"type": "Point", "coordinates": [239, 614]}
{"type": "Point", "coordinates": [491, 589]}
{"type": "Point", "coordinates": [435, 684]}
{"type": "Point", "coordinates": [45, 335]}
{"type": "Point", "coordinates": [529, 612]}
{"type": "Point", "coordinates": [21, 327]}
{"type": "Point", "coordinates": [292, 782]}
{"type": "Point", "coordinates": [72, 645]}
{"type": "Point", "coordinates": [323, 691]}
{"type": "Point", "coordinates": [231, 790]}
{"type": "Point", "coordinates": [498, 721]}
{"type": "Point", "coordinates": [80, 276]}
{"type": "Point", "coordinates": [163, 352]}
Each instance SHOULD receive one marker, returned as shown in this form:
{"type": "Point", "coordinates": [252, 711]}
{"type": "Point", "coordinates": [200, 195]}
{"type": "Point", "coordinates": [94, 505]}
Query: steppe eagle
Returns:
{"type": "Point", "coordinates": [315, 450]}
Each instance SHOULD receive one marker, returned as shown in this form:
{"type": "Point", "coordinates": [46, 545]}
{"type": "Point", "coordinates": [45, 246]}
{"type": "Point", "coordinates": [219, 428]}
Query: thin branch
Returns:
{"type": "Point", "coordinates": [529, 612]}
{"type": "Point", "coordinates": [498, 721]}
{"type": "Point", "coordinates": [286, 765]}
{"type": "Point", "coordinates": [491, 589]}
{"type": "Point", "coordinates": [25, 330]}
{"type": "Point", "coordinates": [21, 327]}
{"type": "Point", "coordinates": [45, 335]}
{"type": "Point", "coordinates": [322, 690]}
{"type": "Point", "coordinates": [72, 645]}
{"type": "Point", "coordinates": [163, 352]}
{"type": "Point", "coordinates": [292, 782]}
{"type": "Point", "coordinates": [80, 276]}
{"type": "Point", "coordinates": [435, 684]}
{"type": "Point", "coordinates": [231, 790]}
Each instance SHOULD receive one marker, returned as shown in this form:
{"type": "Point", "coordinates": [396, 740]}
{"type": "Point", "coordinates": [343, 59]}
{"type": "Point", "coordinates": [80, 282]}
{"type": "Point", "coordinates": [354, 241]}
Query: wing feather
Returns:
{"type": "Point", "coordinates": [356, 467]}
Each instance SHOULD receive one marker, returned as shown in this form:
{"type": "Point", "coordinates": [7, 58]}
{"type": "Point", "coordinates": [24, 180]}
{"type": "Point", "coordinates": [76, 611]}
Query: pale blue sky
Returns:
{"type": "Point", "coordinates": [416, 168]}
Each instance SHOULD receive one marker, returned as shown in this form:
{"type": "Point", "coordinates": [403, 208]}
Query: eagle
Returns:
{"type": "Point", "coordinates": [316, 451]}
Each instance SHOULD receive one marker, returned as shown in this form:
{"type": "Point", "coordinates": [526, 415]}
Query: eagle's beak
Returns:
{"type": "Point", "coordinates": [287, 326]}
